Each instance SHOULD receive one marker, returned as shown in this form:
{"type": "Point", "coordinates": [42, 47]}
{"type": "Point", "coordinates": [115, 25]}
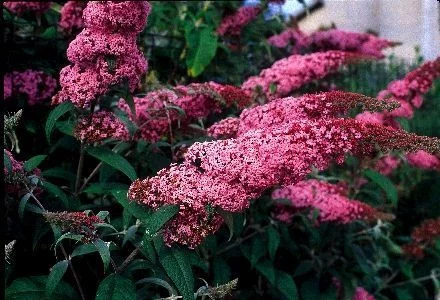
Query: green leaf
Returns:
{"type": "Point", "coordinates": [304, 267]}
{"type": "Point", "coordinates": [57, 192]}
{"type": "Point", "coordinates": [103, 214]}
{"type": "Point", "coordinates": [135, 209]}
{"type": "Point", "coordinates": [149, 252]}
{"type": "Point", "coordinates": [159, 282]}
{"type": "Point", "coordinates": [70, 236]}
{"type": "Point", "coordinates": [57, 272]}
{"type": "Point", "coordinates": [274, 241]}
{"type": "Point", "coordinates": [403, 294]}
{"type": "Point", "coordinates": [66, 127]}
{"type": "Point", "coordinates": [254, 250]}
{"type": "Point", "coordinates": [116, 287]}
{"type": "Point", "coordinates": [279, 279]}
{"type": "Point", "coordinates": [60, 173]}
{"type": "Point", "coordinates": [178, 268]}
{"type": "Point", "coordinates": [54, 115]}
{"type": "Point", "coordinates": [157, 219]}
{"type": "Point", "coordinates": [34, 288]}
{"type": "Point", "coordinates": [105, 188]}
{"type": "Point", "coordinates": [22, 205]}
{"type": "Point", "coordinates": [202, 46]}
{"type": "Point", "coordinates": [50, 33]}
{"type": "Point", "coordinates": [83, 250]}
{"type": "Point", "coordinates": [286, 285]}
{"type": "Point", "coordinates": [385, 184]}
{"type": "Point", "coordinates": [362, 259]}
{"type": "Point", "coordinates": [41, 228]}
{"type": "Point", "coordinates": [310, 289]}
{"type": "Point", "coordinates": [138, 264]}
{"type": "Point", "coordinates": [268, 271]}
{"type": "Point", "coordinates": [104, 252]}
{"type": "Point", "coordinates": [113, 159]}
{"type": "Point", "coordinates": [131, 232]}
{"type": "Point", "coordinates": [221, 270]}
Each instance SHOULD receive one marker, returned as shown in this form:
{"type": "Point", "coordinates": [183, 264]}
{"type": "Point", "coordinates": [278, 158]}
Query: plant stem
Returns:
{"type": "Point", "coordinates": [83, 297]}
{"type": "Point", "coordinates": [127, 260]}
{"type": "Point", "coordinates": [239, 241]}
{"type": "Point", "coordinates": [420, 279]}
{"type": "Point", "coordinates": [63, 250]}
{"type": "Point", "coordinates": [86, 181]}
{"type": "Point", "coordinates": [95, 170]}
{"type": "Point", "coordinates": [79, 170]}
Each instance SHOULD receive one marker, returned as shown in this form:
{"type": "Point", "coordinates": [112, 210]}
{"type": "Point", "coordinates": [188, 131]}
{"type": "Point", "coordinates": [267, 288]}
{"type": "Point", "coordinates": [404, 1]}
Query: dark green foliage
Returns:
{"type": "Point", "coordinates": [271, 259]}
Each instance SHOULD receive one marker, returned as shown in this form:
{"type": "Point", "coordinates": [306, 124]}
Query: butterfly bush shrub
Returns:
{"type": "Point", "coordinates": [207, 149]}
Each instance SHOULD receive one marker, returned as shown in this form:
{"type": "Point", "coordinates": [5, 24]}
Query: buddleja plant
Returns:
{"type": "Point", "coordinates": [209, 190]}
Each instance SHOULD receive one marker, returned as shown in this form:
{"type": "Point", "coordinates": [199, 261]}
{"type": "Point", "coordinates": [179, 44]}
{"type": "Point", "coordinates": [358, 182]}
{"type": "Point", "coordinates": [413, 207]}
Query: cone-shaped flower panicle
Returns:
{"type": "Point", "coordinates": [231, 25]}
{"type": "Point", "coordinates": [226, 128]}
{"type": "Point", "coordinates": [35, 85]}
{"type": "Point", "coordinates": [387, 164]}
{"type": "Point", "coordinates": [71, 17]}
{"type": "Point", "coordinates": [105, 52]}
{"type": "Point", "coordinates": [424, 160]}
{"type": "Point", "coordinates": [227, 174]}
{"type": "Point", "coordinates": [291, 36]}
{"type": "Point", "coordinates": [289, 74]}
{"type": "Point", "coordinates": [100, 126]}
{"type": "Point", "coordinates": [332, 39]}
{"type": "Point", "coordinates": [330, 200]}
{"type": "Point", "coordinates": [309, 106]}
{"type": "Point", "coordinates": [117, 16]}
{"type": "Point", "coordinates": [157, 110]}
{"type": "Point", "coordinates": [423, 236]}
{"type": "Point", "coordinates": [76, 223]}
{"type": "Point", "coordinates": [21, 7]}
{"type": "Point", "coordinates": [15, 176]}
{"type": "Point", "coordinates": [408, 91]}
{"type": "Point", "coordinates": [16, 166]}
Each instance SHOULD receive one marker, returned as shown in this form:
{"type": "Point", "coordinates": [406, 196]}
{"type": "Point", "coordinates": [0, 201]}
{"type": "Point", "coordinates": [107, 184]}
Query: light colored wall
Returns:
{"type": "Point", "coordinates": [412, 22]}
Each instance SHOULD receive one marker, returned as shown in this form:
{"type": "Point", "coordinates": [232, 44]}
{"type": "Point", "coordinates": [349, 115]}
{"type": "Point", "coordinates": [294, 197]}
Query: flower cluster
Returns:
{"type": "Point", "coordinates": [308, 106]}
{"type": "Point", "coordinates": [408, 91]}
{"type": "Point", "coordinates": [99, 126]}
{"type": "Point", "coordinates": [387, 164]}
{"type": "Point", "coordinates": [71, 17]}
{"type": "Point", "coordinates": [359, 294]}
{"type": "Point", "coordinates": [289, 74]}
{"type": "Point", "coordinates": [21, 7]}
{"type": "Point", "coordinates": [36, 85]}
{"type": "Point", "coordinates": [158, 110]}
{"type": "Point", "coordinates": [289, 35]}
{"type": "Point", "coordinates": [423, 160]}
{"type": "Point", "coordinates": [105, 52]}
{"type": "Point", "coordinates": [226, 128]}
{"type": "Point", "coordinates": [332, 39]}
{"type": "Point", "coordinates": [76, 223]}
{"type": "Point", "coordinates": [362, 294]}
{"type": "Point", "coordinates": [330, 200]}
{"type": "Point", "coordinates": [232, 25]}
{"type": "Point", "coordinates": [227, 174]}
{"type": "Point", "coordinates": [423, 236]}
{"type": "Point", "coordinates": [152, 114]}
{"type": "Point", "coordinates": [16, 166]}
{"type": "Point", "coordinates": [15, 175]}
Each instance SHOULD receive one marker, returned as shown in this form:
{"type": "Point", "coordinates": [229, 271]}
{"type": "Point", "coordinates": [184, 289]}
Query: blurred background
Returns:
{"type": "Point", "coordinates": [411, 22]}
